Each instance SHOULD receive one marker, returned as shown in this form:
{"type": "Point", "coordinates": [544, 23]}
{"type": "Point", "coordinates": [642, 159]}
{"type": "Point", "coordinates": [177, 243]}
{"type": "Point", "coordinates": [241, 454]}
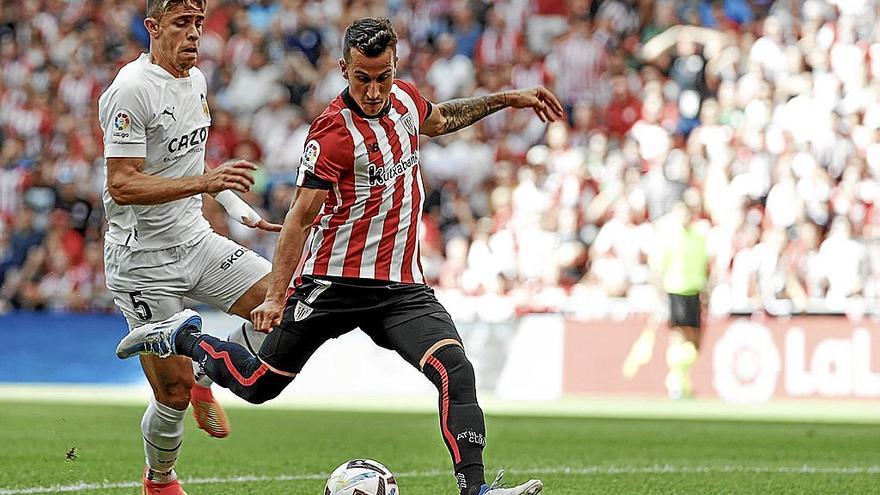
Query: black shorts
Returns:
{"type": "Point", "coordinates": [406, 318]}
{"type": "Point", "coordinates": [685, 311]}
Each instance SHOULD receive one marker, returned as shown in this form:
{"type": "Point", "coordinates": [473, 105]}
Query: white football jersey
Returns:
{"type": "Point", "coordinates": [146, 112]}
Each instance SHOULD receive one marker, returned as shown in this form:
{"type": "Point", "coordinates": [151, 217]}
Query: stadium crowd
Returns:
{"type": "Point", "coordinates": [762, 116]}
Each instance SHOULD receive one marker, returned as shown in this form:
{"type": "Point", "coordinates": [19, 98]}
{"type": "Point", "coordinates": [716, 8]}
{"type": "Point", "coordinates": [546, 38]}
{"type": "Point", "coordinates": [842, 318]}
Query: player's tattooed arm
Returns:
{"type": "Point", "coordinates": [457, 114]}
{"type": "Point", "coordinates": [460, 113]}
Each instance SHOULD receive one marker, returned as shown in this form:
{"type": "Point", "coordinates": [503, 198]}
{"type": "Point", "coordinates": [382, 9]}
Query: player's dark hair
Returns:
{"type": "Point", "coordinates": [370, 36]}
{"type": "Point", "coordinates": [157, 8]}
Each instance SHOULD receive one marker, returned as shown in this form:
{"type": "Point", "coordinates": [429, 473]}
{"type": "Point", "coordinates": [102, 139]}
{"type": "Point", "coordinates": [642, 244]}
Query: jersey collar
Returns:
{"type": "Point", "coordinates": [354, 107]}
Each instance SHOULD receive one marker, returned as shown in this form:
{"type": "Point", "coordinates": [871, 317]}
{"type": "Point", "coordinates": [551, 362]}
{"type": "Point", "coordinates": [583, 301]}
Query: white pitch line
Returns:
{"type": "Point", "coordinates": [583, 470]}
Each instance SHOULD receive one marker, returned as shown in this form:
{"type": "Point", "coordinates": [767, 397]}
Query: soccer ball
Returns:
{"type": "Point", "coordinates": [361, 477]}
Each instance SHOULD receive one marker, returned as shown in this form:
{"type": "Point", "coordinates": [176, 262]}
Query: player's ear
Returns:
{"type": "Point", "coordinates": [344, 68]}
{"type": "Point", "coordinates": [152, 26]}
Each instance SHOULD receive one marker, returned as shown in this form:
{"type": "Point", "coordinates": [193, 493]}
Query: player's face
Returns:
{"type": "Point", "coordinates": [177, 34]}
{"type": "Point", "coordinates": [369, 78]}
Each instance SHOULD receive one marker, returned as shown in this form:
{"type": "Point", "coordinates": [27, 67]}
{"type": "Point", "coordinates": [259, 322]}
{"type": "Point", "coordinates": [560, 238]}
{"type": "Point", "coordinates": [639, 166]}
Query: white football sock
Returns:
{"type": "Point", "coordinates": [162, 427]}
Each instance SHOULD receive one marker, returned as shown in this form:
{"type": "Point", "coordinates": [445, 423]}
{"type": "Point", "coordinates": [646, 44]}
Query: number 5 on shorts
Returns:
{"type": "Point", "coordinates": [140, 307]}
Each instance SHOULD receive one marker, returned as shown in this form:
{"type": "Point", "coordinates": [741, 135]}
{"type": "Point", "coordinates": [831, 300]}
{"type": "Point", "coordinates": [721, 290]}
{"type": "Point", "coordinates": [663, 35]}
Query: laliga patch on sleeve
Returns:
{"type": "Point", "coordinates": [121, 130]}
{"type": "Point", "coordinates": [310, 155]}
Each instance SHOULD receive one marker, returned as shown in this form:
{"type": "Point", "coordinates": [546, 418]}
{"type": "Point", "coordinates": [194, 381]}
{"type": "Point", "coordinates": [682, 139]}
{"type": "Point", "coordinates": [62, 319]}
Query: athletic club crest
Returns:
{"type": "Point", "coordinates": [301, 311]}
{"type": "Point", "coordinates": [409, 124]}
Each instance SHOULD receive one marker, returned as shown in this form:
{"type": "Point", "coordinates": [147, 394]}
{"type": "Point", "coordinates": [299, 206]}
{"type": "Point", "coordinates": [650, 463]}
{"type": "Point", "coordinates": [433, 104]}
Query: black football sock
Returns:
{"type": "Point", "coordinates": [461, 419]}
{"type": "Point", "coordinates": [185, 340]}
{"type": "Point", "coordinates": [232, 366]}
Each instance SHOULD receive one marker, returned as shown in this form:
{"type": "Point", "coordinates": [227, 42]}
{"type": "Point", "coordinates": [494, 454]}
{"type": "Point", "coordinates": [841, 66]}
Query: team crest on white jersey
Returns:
{"type": "Point", "coordinates": [301, 311]}
{"type": "Point", "coordinates": [205, 106]}
{"type": "Point", "coordinates": [409, 124]}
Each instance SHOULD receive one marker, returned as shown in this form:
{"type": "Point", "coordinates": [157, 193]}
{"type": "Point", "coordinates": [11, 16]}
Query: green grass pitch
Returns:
{"type": "Point", "coordinates": [289, 452]}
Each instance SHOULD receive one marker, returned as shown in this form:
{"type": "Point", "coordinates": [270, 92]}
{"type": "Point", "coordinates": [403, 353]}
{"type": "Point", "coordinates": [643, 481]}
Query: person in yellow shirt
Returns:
{"type": "Point", "coordinates": [681, 266]}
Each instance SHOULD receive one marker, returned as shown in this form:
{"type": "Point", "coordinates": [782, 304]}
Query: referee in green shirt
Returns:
{"type": "Point", "coordinates": [682, 266]}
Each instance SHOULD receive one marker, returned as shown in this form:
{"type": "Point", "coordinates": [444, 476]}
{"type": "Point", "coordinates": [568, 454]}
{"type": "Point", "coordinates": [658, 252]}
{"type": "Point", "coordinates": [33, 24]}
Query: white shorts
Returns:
{"type": "Point", "coordinates": [150, 285]}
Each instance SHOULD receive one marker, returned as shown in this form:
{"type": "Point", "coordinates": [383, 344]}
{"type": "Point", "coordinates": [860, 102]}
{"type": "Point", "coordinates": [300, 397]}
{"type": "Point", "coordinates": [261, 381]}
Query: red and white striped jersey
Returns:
{"type": "Point", "coordinates": [369, 224]}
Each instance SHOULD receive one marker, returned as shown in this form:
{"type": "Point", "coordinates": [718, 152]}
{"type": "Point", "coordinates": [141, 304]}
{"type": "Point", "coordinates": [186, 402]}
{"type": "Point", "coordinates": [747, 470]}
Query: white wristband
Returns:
{"type": "Point", "coordinates": [236, 208]}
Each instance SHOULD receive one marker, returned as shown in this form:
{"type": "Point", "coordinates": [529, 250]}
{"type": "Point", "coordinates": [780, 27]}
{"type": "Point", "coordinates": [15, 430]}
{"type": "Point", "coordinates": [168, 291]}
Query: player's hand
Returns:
{"type": "Point", "coordinates": [267, 315]}
{"type": "Point", "coordinates": [237, 175]}
{"type": "Point", "coordinates": [261, 224]}
{"type": "Point", "coordinates": [539, 99]}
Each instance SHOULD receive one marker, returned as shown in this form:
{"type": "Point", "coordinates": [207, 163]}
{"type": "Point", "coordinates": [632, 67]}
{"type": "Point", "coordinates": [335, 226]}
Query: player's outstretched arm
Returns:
{"type": "Point", "coordinates": [129, 185]}
{"type": "Point", "coordinates": [457, 114]}
{"type": "Point", "coordinates": [305, 207]}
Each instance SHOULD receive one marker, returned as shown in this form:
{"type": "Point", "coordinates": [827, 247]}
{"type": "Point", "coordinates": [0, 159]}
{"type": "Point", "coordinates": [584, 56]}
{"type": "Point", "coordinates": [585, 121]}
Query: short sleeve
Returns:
{"type": "Point", "coordinates": [328, 151]}
{"type": "Point", "coordinates": [124, 119]}
{"type": "Point", "coordinates": [423, 106]}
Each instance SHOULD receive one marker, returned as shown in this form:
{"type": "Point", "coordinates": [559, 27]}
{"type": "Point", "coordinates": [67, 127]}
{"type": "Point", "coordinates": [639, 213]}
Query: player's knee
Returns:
{"type": "Point", "coordinates": [259, 395]}
{"type": "Point", "coordinates": [452, 362]}
{"type": "Point", "coordinates": [265, 389]}
{"type": "Point", "coordinates": [175, 393]}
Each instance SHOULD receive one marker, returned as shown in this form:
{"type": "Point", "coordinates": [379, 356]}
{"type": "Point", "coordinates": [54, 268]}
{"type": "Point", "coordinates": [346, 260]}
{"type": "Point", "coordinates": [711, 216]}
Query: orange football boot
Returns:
{"type": "Point", "coordinates": [153, 488]}
{"type": "Point", "coordinates": [208, 413]}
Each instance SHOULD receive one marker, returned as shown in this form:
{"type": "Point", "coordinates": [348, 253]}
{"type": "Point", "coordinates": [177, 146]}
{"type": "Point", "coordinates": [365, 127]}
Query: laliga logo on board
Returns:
{"type": "Point", "coordinates": [837, 367]}
{"type": "Point", "coordinates": [746, 365]}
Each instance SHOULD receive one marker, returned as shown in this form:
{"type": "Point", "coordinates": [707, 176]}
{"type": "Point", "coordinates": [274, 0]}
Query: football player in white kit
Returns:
{"type": "Point", "coordinates": [159, 247]}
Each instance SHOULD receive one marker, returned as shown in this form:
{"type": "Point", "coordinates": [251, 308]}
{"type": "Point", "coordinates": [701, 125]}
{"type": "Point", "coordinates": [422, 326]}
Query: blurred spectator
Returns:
{"type": "Point", "coordinates": [578, 64]}
{"type": "Point", "coordinates": [465, 29]}
{"type": "Point", "coordinates": [499, 43]}
{"type": "Point", "coordinates": [18, 243]}
{"type": "Point", "coordinates": [251, 86]}
{"type": "Point", "coordinates": [624, 109]}
{"type": "Point", "coordinates": [451, 74]}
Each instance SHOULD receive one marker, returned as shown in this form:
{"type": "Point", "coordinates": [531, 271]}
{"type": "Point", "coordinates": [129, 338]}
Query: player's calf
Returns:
{"type": "Point", "coordinates": [174, 391]}
{"type": "Point", "coordinates": [232, 366]}
{"type": "Point", "coordinates": [461, 419]}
